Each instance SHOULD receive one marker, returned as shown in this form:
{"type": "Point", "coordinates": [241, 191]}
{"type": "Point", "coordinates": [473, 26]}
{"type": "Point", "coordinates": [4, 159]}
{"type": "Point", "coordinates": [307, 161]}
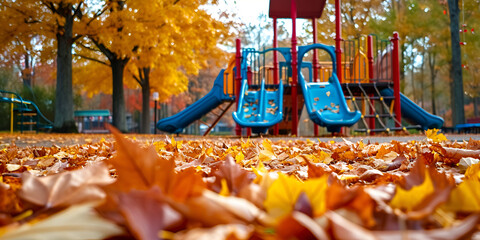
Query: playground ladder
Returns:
{"type": "Point", "coordinates": [27, 121]}
{"type": "Point", "coordinates": [222, 110]}
{"type": "Point", "coordinates": [381, 115]}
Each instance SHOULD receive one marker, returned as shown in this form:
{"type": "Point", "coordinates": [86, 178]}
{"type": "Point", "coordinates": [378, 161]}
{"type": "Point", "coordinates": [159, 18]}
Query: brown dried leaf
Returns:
{"type": "Point", "coordinates": [66, 188]}
{"type": "Point", "coordinates": [211, 209]}
{"type": "Point", "coordinates": [298, 225]}
{"type": "Point", "coordinates": [219, 232]}
{"type": "Point", "coordinates": [236, 177]}
{"type": "Point", "coordinates": [138, 167]}
{"type": "Point", "coordinates": [146, 214]}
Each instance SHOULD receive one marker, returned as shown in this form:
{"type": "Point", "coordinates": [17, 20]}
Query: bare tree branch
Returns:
{"type": "Point", "coordinates": [92, 59]}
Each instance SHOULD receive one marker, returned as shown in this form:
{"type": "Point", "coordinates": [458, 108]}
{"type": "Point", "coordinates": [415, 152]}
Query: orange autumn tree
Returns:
{"type": "Point", "coordinates": [25, 20]}
{"type": "Point", "coordinates": [159, 42]}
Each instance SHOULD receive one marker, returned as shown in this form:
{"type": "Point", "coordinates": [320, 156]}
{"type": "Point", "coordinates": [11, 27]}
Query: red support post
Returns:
{"type": "Point", "coordinates": [338, 39]}
{"type": "Point", "coordinates": [371, 122]}
{"type": "Point", "coordinates": [275, 65]}
{"type": "Point", "coordinates": [238, 79]}
{"type": "Point", "coordinates": [293, 15]}
{"type": "Point", "coordinates": [396, 79]}
{"type": "Point", "coordinates": [315, 66]}
{"type": "Point", "coordinates": [249, 82]}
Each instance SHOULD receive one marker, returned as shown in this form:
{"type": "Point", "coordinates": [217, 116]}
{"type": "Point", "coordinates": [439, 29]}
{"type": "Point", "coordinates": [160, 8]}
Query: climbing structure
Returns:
{"type": "Point", "coordinates": [358, 86]}
{"type": "Point", "coordinates": [24, 114]}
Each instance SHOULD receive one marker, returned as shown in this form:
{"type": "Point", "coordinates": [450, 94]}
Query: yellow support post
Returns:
{"type": "Point", "coordinates": [391, 107]}
{"type": "Point", "coordinates": [11, 115]}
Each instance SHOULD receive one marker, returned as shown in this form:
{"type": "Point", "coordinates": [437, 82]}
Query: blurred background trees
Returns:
{"type": "Point", "coordinates": [84, 54]}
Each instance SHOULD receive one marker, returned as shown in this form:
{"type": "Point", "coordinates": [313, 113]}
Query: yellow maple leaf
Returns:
{"type": "Point", "coordinates": [473, 172]}
{"type": "Point", "coordinates": [264, 178]}
{"type": "Point", "coordinates": [239, 157]}
{"type": "Point", "coordinates": [409, 199]}
{"type": "Point", "coordinates": [433, 135]}
{"type": "Point", "coordinates": [265, 156]}
{"type": "Point", "coordinates": [159, 146]}
{"type": "Point", "coordinates": [267, 145]}
{"type": "Point", "coordinates": [246, 144]}
{"type": "Point", "coordinates": [465, 197]}
{"type": "Point", "coordinates": [316, 190]}
{"type": "Point", "coordinates": [209, 152]}
{"type": "Point", "coordinates": [224, 191]}
{"type": "Point", "coordinates": [282, 195]}
{"type": "Point", "coordinates": [284, 192]}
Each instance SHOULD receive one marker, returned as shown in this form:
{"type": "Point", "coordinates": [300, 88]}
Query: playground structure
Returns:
{"type": "Point", "coordinates": [357, 84]}
{"type": "Point", "coordinates": [25, 114]}
{"type": "Point", "coordinates": [92, 121]}
{"type": "Point", "coordinates": [220, 98]}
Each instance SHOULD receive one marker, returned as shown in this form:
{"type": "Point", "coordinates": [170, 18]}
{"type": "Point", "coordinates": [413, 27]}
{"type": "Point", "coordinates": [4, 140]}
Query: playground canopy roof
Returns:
{"type": "Point", "coordinates": [305, 8]}
{"type": "Point", "coordinates": [92, 113]}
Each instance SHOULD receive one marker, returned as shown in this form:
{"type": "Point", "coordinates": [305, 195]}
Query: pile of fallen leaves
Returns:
{"type": "Point", "coordinates": [242, 189]}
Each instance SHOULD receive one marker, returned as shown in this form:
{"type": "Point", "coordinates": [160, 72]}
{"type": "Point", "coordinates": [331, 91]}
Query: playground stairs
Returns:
{"type": "Point", "coordinates": [216, 114]}
{"type": "Point", "coordinates": [25, 115]}
{"type": "Point", "coordinates": [27, 120]}
{"type": "Point", "coordinates": [377, 110]}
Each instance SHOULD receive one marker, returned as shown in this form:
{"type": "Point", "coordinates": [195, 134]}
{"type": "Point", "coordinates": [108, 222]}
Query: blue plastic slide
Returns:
{"type": "Point", "coordinates": [325, 102]}
{"type": "Point", "coordinates": [259, 109]}
{"type": "Point", "coordinates": [23, 105]}
{"type": "Point", "coordinates": [177, 122]}
{"type": "Point", "coordinates": [414, 113]}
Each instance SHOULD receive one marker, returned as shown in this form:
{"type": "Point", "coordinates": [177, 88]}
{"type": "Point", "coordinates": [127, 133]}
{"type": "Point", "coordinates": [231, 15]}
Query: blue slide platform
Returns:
{"type": "Point", "coordinates": [325, 102]}
{"type": "Point", "coordinates": [177, 122]}
{"type": "Point", "coordinates": [260, 109]}
{"type": "Point", "coordinates": [414, 113]}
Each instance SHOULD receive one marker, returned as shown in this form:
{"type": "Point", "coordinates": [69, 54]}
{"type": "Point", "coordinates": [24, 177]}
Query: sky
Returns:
{"type": "Point", "coordinates": [249, 10]}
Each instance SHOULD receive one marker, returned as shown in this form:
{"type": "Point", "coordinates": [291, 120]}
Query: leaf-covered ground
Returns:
{"type": "Point", "coordinates": [241, 189]}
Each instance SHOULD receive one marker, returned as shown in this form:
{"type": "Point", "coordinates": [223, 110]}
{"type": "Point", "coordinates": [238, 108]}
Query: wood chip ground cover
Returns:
{"type": "Point", "coordinates": [241, 189]}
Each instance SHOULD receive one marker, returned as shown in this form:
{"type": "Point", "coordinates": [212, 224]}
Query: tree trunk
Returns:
{"type": "Point", "coordinates": [422, 75]}
{"type": "Point", "coordinates": [145, 125]}
{"type": "Point", "coordinates": [433, 74]}
{"type": "Point", "coordinates": [402, 68]}
{"type": "Point", "coordinates": [414, 92]}
{"type": "Point", "coordinates": [457, 95]}
{"type": "Point", "coordinates": [118, 97]}
{"type": "Point", "coordinates": [475, 106]}
{"type": "Point", "coordinates": [64, 120]}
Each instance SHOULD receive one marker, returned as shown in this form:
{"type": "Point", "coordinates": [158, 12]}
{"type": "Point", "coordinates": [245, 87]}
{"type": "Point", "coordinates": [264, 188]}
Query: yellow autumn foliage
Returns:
{"type": "Point", "coordinates": [409, 199]}
{"type": "Point", "coordinates": [466, 196]}
{"type": "Point", "coordinates": [433, 135]}
{"type": "Point", "coordinates": [284, 192]}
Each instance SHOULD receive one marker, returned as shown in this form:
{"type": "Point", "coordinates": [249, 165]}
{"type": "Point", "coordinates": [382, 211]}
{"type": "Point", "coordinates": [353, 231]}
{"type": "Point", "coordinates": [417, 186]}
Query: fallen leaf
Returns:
{"type": "Point", "coordinates": [299, 226]}
{"type": "Point", "coordinates": [284, 192]}
{"type": "Point", "coordinates": [458, 153]}
{"type": "Point", "coordinates": [146, 215]}
{"type": "Point", "coordinates": [219, 232]}
{"type": "Point", "coordinates": [67, 188]}
{"type": "Point", "coordinates": [423, 191]}
{"type": "Point", "coordinates": [235, 176]}
{"type": "Point", "coordinates": [138, 167]}
{"type": "Point", "coordinates": [409, 199]}
{"type": "Point", "coordinates": [465, 197]}
{"type": "Point", "coordinates": [433, 135]}
{"type": "Point", "coordinates": [77, 222]}
{"type": "Point", "coordinates": [466, 162]}
{"type": "Point", "coordinates": [211, 209]}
